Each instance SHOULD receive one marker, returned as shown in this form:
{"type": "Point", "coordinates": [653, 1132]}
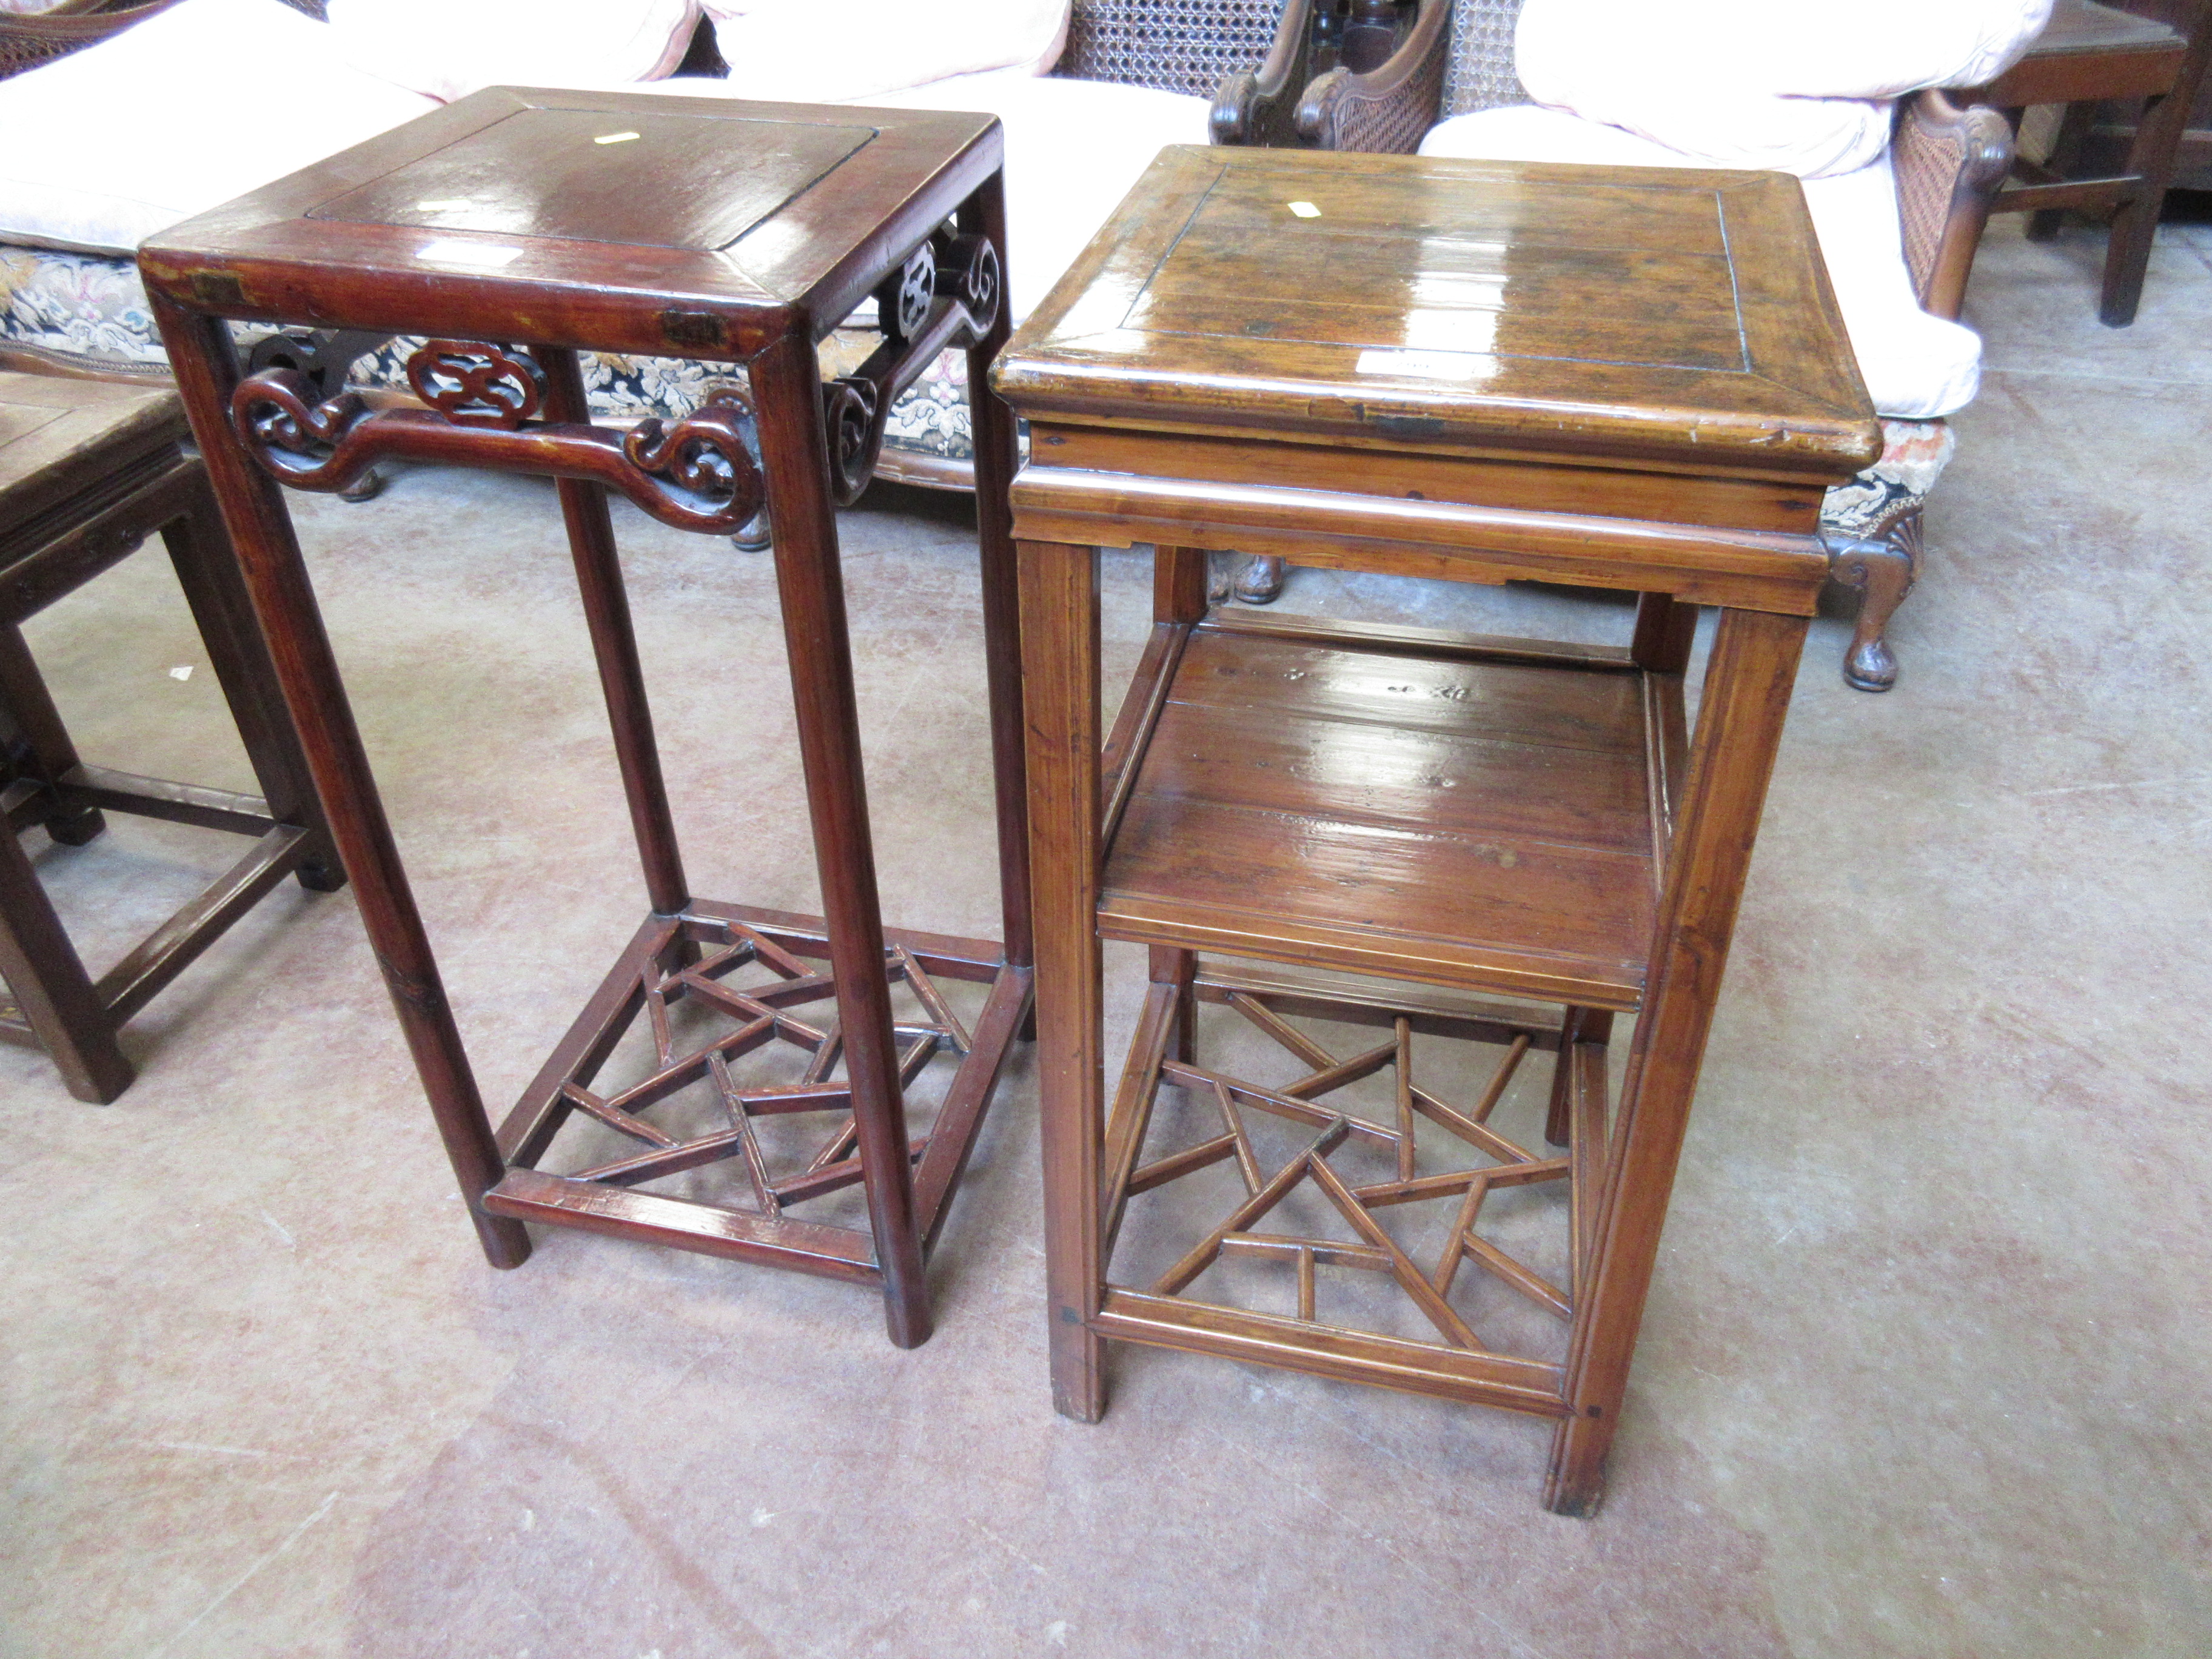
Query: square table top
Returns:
{"type": "Point", "coordinates": [1636, 314]}
{"type": "Point", "coordinates": [622, 220]}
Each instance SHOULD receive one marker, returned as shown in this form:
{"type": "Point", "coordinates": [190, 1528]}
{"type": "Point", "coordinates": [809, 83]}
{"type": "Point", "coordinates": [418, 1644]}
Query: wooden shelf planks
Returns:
{"type": "Point", "coordinates": [1399, 803]}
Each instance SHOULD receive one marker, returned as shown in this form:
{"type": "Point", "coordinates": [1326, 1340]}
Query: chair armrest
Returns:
{"type": "Point", "coordinates": [1949, 162]}
{"type": "Point", "coordinates": [1260, 107]}
{"type": "Point", "coordinates": [1389, 109]}
{"type": "Point", "coordinates": [30, 39]}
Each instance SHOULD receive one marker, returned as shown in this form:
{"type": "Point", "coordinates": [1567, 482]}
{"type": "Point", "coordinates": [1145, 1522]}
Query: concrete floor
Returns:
{"type": "Point", "coordinates": [1924, 1369]}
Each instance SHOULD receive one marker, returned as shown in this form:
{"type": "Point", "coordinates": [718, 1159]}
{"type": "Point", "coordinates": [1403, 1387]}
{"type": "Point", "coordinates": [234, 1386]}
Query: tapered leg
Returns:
{"type": "Point", "coordinates": [283, 602]}
{"type": "Point", "coordinates": [32, 725]}
{"type": "Point", "coordinates": [208, 572]}
{"type": "Point", "coordinates": [1060, 659]}
{"type": "Point", "coordinates": [794, 451]}
{"type": "Point", "coordinates": [2150, 158]}
{"type": "Point", "coordinates": [996, 455]}
{"type": "Point", "coordinates": [614, 647]}
{"type": "Point", "coordinates": [1745, 699]}
{"type": "Point", "coordinates": [50, 986]}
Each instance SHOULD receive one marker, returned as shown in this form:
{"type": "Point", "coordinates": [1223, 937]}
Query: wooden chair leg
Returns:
{"type": "Point", "coordinates": [51, 987]}
{"type": "Point", "coordinates": [2065, 154]}
{"type": "Point", "coordinates": [1744, 700]}
{"type": "Point", "coordinates": [1059, 662]}
{"type": "Point", "coordinates": [48, 752]}
{"type": "Point", "coordinates": [1883, 571]}
{"type": "Point", "coordinates": [207, 571]}
{"type": "Point", "coordinates": [2127, 257]}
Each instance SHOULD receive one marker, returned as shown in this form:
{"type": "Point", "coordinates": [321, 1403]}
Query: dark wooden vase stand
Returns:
{"type": "Point", "coordinates": [739, 235]}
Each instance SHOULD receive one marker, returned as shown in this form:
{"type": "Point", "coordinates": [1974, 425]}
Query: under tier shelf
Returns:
{"type": "Point", "coordinates": [1406, 802]}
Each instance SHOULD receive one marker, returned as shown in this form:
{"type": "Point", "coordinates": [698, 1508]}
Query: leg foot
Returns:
{"type": "Point", "coordinates": [1261, 581]}
{"type": "Point", "coordinates": [366, 487]}
{"type": "Point", "coordinates": [76, 828]}
{"type": "Point", "coordinates": [754, 537]}
{"type": "Point", "coordinates": [1078, 1368]}
{"type": "Point", "coordinates": [505, 1242]}
{"type": "Point", "coordinates": [320, 875]}
{"type": "Point", "coordinates": [1883, 571]}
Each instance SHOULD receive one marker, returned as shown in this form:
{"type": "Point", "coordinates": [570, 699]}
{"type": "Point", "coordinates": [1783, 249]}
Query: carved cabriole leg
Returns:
{"type": "Point", "coordinates": [1060, 661]}
{"type": "Point", "coordinates": [1883, 570]}
{"type": "Point", "coordinates": [810, 585]}
{"type": "Point", "coordinates": [284, 602]}
{"type": "Point", "coordinates": [997, 454]}
{"type": "Point", "coordinates": [1745, 699]}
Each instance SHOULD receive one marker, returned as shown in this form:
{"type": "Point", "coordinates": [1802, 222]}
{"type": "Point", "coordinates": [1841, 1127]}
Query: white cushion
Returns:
{"type": "Point", "coordinates": [1915, 366]}
{"type": "Point", "coordinates": [831, 51]}
{"type": "Point", "coordinates": [449, 48]}
{"type": "Point", "coordinates": [1794, 85]}
{"type": "Point", "coordinates": [1073, 148]}
{"type": "Point", "coordinates": [199, 103]}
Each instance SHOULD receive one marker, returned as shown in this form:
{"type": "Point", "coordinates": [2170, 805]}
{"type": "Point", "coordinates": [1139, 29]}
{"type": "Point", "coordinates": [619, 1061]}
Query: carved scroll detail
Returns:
{"type": "Point", "coordinates": [695, 473]}
{"type": "Point", "coordinates": [903, 301]}
{"type": "Point", "coordinates": [703, 454]}
{"type": "Point", "coordinates": [294, 438]}
{"type": "Point", "coordinates": [850, 412]}
{"type": "Point", "coordinates": [474, 385]}
{"type": "Point", "coordinates": [947, 293]}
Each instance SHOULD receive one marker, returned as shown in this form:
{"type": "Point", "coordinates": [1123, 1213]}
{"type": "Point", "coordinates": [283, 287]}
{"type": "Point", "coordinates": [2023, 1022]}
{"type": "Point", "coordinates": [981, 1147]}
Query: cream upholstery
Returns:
{"type": "Point", "coordinates": [101, 148]}
{"type": "Point", "coordinates": [447, 49]}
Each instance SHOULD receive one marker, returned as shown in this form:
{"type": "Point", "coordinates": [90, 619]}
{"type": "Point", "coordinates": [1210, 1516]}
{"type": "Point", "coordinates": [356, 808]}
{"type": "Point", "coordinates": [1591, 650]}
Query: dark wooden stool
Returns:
{"type": "Point", "coordinates": [1480, 372]}
{"type": "Point", "coordinates": [515, 228]}
{"type": "Point", "coordinates": [88, 470]}
{"type": "Point", "coordinates": [2087, 54]}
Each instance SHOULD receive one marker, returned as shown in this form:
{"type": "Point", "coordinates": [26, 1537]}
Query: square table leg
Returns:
{"type": "Point", "coordinates": [810, 583]}
{"type": "Point", "coordinates": [283, 599]}
{"type": "Point", "coordinates": [1060, 659]}
{"type": "Point", "coordinates": [1745, 699]}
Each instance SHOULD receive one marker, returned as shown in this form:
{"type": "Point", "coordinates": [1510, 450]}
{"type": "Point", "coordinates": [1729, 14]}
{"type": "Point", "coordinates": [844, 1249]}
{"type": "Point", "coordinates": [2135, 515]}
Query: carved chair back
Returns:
{"type": "Point", "coordinates": [1172, 45]}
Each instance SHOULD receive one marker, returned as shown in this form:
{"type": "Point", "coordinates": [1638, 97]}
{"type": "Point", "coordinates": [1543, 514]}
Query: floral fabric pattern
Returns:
{"type": "Point", "coordinates": [1913, 456]}
{"type": "Point", "coordinates": [89, 310]}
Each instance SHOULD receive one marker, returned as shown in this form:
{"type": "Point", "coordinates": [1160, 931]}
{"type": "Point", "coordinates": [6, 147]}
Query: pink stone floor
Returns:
{"type": "Point", "coordinates": [1925, 1367]}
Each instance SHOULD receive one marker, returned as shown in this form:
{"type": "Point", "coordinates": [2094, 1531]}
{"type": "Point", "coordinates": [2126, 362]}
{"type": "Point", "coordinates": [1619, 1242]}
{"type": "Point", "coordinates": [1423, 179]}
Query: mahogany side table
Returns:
{"type": "Point", "coordinates": [87, 471]}
{"type": "Point", "coordinates": [514, 229]}
{"type": "Point", "coordinates": [1624, 379]}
